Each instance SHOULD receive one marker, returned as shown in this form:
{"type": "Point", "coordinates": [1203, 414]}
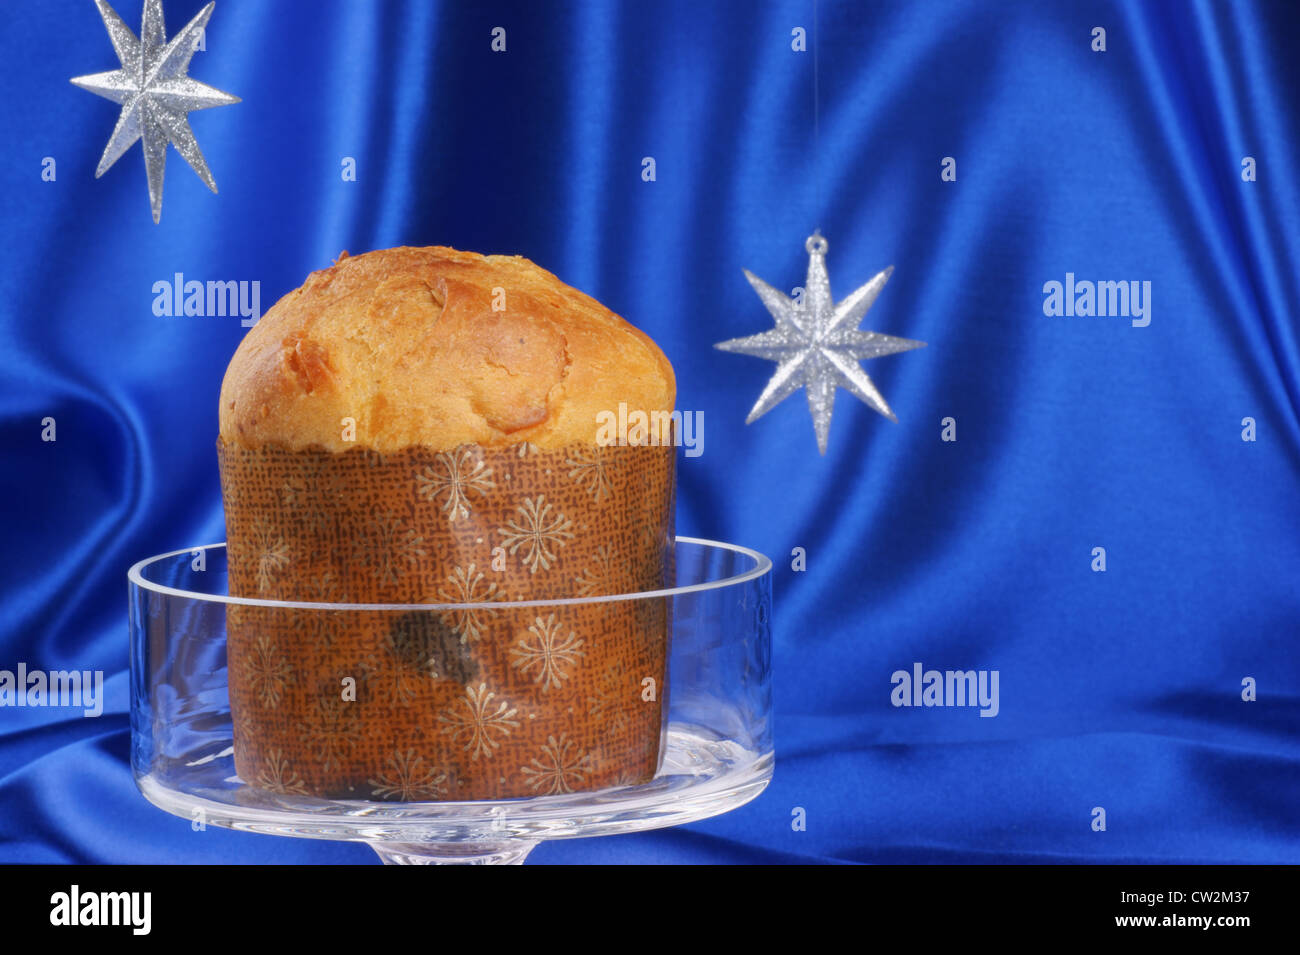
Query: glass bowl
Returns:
{"type": "Point", "coordinates": [716, 755]}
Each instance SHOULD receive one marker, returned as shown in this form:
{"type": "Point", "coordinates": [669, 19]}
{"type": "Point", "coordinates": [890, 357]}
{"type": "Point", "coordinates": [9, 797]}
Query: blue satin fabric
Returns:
{"type": "Point", "coordinates": [1118, 689]}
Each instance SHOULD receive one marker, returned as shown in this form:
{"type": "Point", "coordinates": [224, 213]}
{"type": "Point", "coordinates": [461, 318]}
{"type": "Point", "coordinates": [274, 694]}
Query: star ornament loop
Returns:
{"type": "Point", "coordinates": [817, 344]}
{"type": "Point", "coordinates": [155, 93]}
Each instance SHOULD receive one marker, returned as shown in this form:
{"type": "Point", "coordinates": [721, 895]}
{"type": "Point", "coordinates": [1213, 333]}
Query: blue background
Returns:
{"type": "Point", "coordinates": [1118, 689]}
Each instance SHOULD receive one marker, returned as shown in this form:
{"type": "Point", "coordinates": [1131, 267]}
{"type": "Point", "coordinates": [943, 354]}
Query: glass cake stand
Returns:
{"type": "Point", "coordinates": [718, 752]}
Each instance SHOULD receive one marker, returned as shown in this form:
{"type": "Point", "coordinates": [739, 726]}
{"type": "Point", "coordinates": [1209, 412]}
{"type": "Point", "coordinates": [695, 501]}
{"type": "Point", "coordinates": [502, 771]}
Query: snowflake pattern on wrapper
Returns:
{"type": "Point", "coordinates": [408, 778]}
{"type": "Point", "coordinates": [464, 586]}
{"type": "Point", "coordinates": [559, 769]}
{"type": "Point", "coordinates": [456, 476]}
{"type": "Point", "coordinates": [279, 776]}
{"type": "Point", "coordinates": [547, 651]}
{"type": "Point", "coordinates": [331, 730]}
{"type": "Point", "coordinates": [600, 576]}
{"type": "Point", "coordinates": [392, 546]}
{"type": "Point", "coordinates": [418, 702]}
{"type": "Point", "coordinates": [272, 557]}
{"type": "Point", "coordinates": [479, 723]}
{"type": "Point", "coordinates": [267, 671]}
{"type": "Point", "coordinates": [587, 467]}
{"type": "Point", "coordinates": [538, 532]}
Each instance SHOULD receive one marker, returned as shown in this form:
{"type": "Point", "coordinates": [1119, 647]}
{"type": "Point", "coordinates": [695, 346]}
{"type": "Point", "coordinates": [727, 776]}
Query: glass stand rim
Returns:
{"type": "Point", "coordinates": [492, 831]}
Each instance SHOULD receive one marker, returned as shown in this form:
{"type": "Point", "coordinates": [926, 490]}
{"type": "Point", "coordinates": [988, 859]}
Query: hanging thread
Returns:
{"type": "Point", "coordinates": [817, 107]}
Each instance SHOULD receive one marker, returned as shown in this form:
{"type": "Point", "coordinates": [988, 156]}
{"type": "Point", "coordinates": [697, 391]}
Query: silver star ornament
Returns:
{"type": "Point", "coordinates": [155, 94]}
{"type": "Point", "coordinates": [817, 344]}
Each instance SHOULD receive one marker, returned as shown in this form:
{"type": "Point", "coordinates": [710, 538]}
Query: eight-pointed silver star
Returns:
{"type": "Point", "coordinates": [155, 94]}
{"type": "Point", "coordinates": [817, 344]}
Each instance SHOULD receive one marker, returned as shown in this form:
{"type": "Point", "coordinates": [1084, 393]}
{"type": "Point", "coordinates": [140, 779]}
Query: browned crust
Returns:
{"type": "Point", "coordinates": [406, 343]}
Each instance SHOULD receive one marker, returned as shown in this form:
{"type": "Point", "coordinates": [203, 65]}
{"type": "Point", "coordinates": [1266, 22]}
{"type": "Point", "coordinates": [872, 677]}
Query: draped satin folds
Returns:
{"type": "Point", "coordinates": [1119, 689]}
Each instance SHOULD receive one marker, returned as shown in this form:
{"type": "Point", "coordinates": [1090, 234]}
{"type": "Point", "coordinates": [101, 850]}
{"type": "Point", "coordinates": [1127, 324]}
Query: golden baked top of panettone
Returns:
{"type": "Point", "coordinates": [439, 348]}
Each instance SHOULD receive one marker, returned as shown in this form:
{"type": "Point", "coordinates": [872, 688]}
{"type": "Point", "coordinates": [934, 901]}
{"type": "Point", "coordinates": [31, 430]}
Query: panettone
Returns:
{"type": "Point", "coordinates": [426, 426]}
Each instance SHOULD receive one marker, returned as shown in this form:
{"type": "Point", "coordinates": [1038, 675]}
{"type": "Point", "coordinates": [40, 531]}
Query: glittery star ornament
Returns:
{"type": "Point", "coordinates": [155, 94]}
{"type": "Point", "coordinates": [817, 344]}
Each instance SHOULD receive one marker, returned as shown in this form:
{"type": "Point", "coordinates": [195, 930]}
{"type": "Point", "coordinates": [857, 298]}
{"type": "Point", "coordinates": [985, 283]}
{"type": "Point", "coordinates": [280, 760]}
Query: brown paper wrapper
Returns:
{"type": "Point", "coordinates": [454, 705]}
